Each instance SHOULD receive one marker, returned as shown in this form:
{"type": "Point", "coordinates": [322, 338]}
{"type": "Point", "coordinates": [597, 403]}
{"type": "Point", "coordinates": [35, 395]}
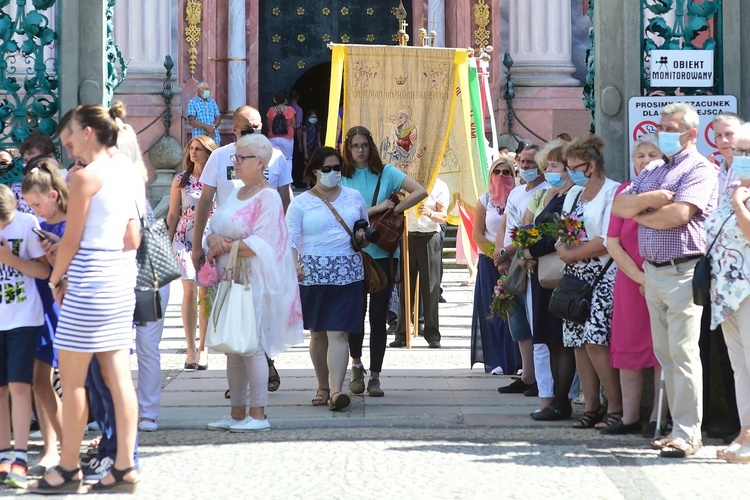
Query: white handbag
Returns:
{"type": "Point", "coordinates": [231, 325]}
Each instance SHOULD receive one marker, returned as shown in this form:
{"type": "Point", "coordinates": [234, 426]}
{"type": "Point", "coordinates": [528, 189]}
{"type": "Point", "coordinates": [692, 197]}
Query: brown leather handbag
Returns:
{"type": "Point", "coordinates": [388, 224]}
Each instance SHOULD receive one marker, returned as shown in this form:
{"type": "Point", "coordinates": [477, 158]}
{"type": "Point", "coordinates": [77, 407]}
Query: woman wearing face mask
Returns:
{"type": "Point", "coordinates": [547, 328]}
{"type": "Point", "coordinates": [730, 271]}
{"type": "Point", "coordinates": [591, 201]}
{"type": "Point", "coordinates": [310, 135]}
{"type": "Point", "coordinates": [491, 343]}
{"type": "Point", "coordinates": [631, 348]}
{"type": "Point", "coordinates": [329, 270]}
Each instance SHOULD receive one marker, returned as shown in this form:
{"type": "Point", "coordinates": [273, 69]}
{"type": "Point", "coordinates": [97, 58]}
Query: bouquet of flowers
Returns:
{"type": "Point", "coordinates": [489, 249]}
{"type": "Point", "coordinates": [566, 227]}
{"type": "Point", "coordinates": [502, 301]}
{"type": "Point", "coordinates": [525, 236]}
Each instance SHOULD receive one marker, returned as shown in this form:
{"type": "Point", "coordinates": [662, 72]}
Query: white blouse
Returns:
{"type": "Point", "coordinates": [324, 247]}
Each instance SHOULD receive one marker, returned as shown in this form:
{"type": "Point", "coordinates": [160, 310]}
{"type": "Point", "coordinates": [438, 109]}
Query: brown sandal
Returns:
{"type": "Point", "coordinates": [321, 397]}
{"type": "Point", "coordinates": [338, 401]}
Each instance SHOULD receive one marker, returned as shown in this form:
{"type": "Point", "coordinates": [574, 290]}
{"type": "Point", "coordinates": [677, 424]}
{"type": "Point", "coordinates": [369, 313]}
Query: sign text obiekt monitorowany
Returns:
{"type": "Point", "coordinates": [682, 68]}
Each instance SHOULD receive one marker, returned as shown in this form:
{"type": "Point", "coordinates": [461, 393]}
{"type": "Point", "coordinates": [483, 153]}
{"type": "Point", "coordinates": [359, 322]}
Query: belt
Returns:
{"type": "Point", "coordinates": [673, 262]}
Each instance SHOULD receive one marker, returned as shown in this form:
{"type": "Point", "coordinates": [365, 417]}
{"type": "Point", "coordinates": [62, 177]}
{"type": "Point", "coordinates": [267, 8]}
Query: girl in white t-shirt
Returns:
{"type": "Point", "coordinates": [21, 260]}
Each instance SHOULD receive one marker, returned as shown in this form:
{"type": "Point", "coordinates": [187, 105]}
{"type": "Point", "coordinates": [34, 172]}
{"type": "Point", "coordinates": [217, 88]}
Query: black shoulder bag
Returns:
{"type": "Point", "coordinates": [571, 300]}
{"type": "Point", "coordinates": [702, 273]}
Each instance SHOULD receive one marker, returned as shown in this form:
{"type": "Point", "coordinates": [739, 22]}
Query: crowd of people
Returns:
{"type": "Point", "coordinates": [67, 251]}
{"type": "Point", "coordinates": [637, 248]}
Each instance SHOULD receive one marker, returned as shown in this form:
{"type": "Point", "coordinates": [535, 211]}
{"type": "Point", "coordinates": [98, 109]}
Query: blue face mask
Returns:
{"type": "Point", "coordinates": [313, 121]}
{"type": "Point", "coordinates": [530, 175]}
{"type": "Point", "coordinates": [579, 178]}
{"type": "Point", "coordinates": [669, 142]}
{"type": "Point", "coordinates": [206, 94]}
{"type": "Point", "coordinates": [555, 179]}
{"type": "Point", "coordinates": [741, 165]}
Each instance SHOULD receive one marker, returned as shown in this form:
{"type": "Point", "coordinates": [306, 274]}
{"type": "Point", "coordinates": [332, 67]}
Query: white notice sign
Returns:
{"type": "Point", "coordinates": [682, 68]}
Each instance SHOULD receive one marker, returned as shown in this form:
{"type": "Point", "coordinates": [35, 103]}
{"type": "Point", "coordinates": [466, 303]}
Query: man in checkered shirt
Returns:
{"type": "Point", "coordinates": [203, 114]}
{"type": "Point", "coordinates": [670, 200]}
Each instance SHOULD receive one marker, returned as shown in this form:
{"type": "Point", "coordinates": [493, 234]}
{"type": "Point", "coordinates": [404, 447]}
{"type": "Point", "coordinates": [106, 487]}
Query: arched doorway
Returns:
{"type": "Point", "coordinates": [314, 89]}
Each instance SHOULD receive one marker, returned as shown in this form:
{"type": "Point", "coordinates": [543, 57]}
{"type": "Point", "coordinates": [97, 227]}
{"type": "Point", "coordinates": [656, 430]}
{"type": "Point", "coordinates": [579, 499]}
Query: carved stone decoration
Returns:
{"type": "Point", "coordinates": [193, 10]}
{"type": "Point", "coordinates": [482, 20]}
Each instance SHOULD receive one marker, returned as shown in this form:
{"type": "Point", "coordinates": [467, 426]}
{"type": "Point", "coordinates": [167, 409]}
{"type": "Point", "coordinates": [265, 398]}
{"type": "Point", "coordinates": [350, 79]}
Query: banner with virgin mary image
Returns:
{"type": "Point", "coordinates": [405, 96]}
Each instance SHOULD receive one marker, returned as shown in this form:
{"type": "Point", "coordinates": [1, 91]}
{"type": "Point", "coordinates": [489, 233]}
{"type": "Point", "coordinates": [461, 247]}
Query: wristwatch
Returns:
{"type": "Point", "coordinates": [503, 253]}
{"type": "Point", "coordinates": [52, 286]}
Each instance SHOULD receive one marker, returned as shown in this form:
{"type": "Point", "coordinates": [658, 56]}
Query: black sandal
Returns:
{"type": "Point", "coordinates": [590, 418]}
{"type": "Point", "coordinates": [120, 485]}
{"type": "Point", "coordinates": [274, 381]}
{"type": "Point", "coordinates": [608, 420]}
{"type": "Point", "coordinates": [70, 484]}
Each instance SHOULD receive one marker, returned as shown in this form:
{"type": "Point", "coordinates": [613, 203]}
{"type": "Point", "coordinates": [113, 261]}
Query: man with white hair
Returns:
{"type": "Point", "coordinates": [204, 115]}
{"type": "Point", "coordinates": [670, 200]}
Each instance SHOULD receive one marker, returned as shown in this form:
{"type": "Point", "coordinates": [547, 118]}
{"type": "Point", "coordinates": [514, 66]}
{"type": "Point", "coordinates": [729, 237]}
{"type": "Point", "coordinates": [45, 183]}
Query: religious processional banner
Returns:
{"type": "Point", "coordinates": [464, 166]}
{"type": "Point", "coordinates": [406, 97]}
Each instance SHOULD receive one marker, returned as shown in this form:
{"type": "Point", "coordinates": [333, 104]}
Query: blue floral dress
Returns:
{"type": "Point", "coordinates": [182, 244]}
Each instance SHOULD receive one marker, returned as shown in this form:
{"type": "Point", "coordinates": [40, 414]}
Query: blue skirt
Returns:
{"type": "Point", "coordinates": [491, 343]}
{"type": "Point", "coordinates": [333, 307]}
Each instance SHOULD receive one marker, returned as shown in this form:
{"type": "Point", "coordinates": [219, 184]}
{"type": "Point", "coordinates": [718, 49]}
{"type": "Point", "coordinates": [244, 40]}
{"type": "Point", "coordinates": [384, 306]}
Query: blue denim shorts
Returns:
{"type": "Point", "coordinates": [17, 349]}
{"type": "Point", "coordinates": [518, 323]}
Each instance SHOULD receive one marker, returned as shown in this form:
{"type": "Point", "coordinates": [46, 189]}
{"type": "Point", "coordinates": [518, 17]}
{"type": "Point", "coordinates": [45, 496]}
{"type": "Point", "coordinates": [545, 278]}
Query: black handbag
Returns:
{"type": "Point", "coordinates": [702, 273]}
{"type": "Point", "coordinates": [571, 300]}
{"type": "Point", "coordinates": [156, 267]}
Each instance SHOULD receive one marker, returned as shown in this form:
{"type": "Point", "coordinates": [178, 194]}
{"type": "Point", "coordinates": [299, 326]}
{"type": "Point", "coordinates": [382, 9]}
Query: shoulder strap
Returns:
{"type": "Point", "coordinates": [576, 200]}
{"type": "Point", "coordinates": [377, 189]}
{"type": "Point", "coordinates": [333, 210]}
{"type": "Point", "coordinates": [717, 234]}
{"type": "Point", "coordinates": [602, 272]}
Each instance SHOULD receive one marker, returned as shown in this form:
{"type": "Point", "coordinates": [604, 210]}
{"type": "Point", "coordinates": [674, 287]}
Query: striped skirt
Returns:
{"type": "Point", "coordinates": [97, 311]}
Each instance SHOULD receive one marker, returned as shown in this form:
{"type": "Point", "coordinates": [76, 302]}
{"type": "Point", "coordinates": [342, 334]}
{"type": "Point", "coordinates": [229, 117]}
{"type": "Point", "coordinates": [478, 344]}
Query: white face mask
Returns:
{"type": "Point", "coordinates": [330, 179]}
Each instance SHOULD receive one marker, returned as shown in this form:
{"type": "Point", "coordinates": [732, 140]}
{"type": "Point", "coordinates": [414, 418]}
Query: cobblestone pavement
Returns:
{"type": "Point", "coordinates": [441, 431]}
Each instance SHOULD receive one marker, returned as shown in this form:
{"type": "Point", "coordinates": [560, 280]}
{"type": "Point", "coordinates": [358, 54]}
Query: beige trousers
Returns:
{"type": "Point", "coordinates": [675, 328]}
{"type": "Point", "coordinates": [737, 338]}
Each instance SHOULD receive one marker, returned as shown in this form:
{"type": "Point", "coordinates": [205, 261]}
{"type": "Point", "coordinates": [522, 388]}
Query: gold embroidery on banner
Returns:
{"type": "Point", "coordinates": [192, 30]}
{"type": "Point", "coordinates": [482, 20]}
{"type": "Point", "coordinates": [364, 74]}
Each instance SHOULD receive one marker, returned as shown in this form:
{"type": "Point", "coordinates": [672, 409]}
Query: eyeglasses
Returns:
{"type": "Point", "coordinates": [327, 168]}
{"type": "Point", "coordinates": [360, 147]}
{"type": "Point", "coordinates": [249, 131]}
{"type": "Point", "coordinates": [240, 158]}
{"type": "Point", "coordinates": [576, 167]}
{"type": "Point", "coordinates": [741, 152]}
{"type": "Point", "coordinates": [502, 172]}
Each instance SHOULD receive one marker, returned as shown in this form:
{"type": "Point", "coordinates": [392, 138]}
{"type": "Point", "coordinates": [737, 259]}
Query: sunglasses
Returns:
{"type": "Point", "coordinates": [327, 168]}
{"type": "Point", "coordinates": [502, 172]}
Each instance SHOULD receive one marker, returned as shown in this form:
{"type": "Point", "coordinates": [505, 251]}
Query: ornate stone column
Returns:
{"type": "Point", "coordinates": [540, 43]}
{"type": "Point", "coordinates": [236, 53]}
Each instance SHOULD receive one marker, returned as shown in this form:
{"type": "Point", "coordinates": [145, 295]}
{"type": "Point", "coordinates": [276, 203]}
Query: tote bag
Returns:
{"type": "Point", "coordinates": [231, 326]}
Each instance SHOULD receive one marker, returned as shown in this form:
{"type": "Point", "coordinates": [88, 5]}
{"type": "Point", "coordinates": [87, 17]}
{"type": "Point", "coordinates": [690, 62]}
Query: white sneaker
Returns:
{"type": "Point", "coordinates": [148, 426]}
{"type": "Point", "coordinates": [251, 425]}
{"type": "Point", "coordinates": [498, 370]}
{"type": "Point", "coordinates": [223, 425]}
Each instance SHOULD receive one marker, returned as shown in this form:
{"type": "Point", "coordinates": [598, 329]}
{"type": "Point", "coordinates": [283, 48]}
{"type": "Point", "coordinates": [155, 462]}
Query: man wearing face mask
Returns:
{"type": "Point", "coordinates": [670, 200]}
{"type": "Point", "coordinates": [203, 114]}
{"type": "Point", "coordinates": [505, 250]}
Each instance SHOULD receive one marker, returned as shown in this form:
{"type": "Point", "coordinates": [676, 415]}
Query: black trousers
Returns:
{"type": "Point", "coordinates": [425, 260]}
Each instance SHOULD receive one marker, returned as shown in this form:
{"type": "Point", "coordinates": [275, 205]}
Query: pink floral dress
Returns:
{"type": "Point", "coordinates": [182, 244]}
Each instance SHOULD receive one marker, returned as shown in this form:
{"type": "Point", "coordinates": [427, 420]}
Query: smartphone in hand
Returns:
{"type": "Point", "coordinates": [39, 233]}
